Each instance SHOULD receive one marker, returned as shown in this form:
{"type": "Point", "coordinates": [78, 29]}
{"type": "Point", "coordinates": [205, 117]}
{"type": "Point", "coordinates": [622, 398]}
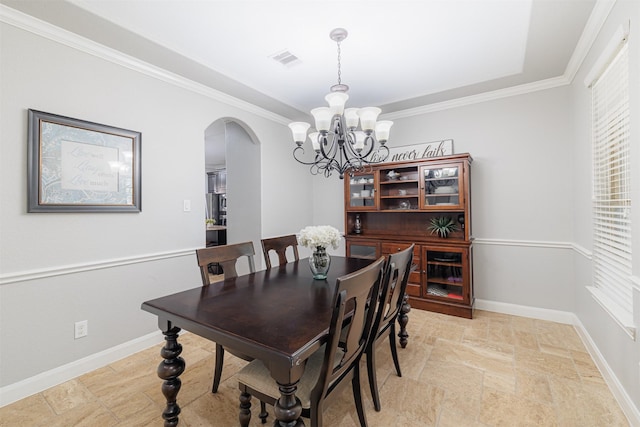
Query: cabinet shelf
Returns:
{"type": "Point", "coordinates": [443, 178]}
{"type": "Point", "coordinates": [445, 282]}
{"type": "Point", "coordinates": [399, 181]}
{"type": "Point", "coordinates": [446, 264]}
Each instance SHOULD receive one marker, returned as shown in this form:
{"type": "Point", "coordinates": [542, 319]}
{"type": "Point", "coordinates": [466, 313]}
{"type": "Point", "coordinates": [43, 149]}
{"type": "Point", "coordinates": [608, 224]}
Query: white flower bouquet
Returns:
{"type": "Point", "coordinates": [319, 235]}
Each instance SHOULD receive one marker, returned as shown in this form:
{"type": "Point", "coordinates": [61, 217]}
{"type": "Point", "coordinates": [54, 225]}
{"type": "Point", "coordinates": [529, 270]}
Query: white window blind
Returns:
{"type": "Point", "coordinates": [611, 184]}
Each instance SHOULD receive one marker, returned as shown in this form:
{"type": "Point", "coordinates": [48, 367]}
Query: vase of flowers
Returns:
{"type": "Point", "coordinates": [318, 238]}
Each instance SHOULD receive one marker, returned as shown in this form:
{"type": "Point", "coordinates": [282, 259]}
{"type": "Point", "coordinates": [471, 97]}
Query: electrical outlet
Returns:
{"type": "Point", "coordinates": [81, 329]}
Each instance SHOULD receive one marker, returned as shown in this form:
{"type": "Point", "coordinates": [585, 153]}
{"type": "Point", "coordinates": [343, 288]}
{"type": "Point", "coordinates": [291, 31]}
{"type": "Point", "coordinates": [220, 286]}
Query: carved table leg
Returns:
{"type": "Point", "coordinates": [245, 409]}
{"type": "Point", "coordinates": [288, 408]}
{"type": "Point", "coordinates": [403, 319]}
{"type": "Point", "coordinates": [169, 370]}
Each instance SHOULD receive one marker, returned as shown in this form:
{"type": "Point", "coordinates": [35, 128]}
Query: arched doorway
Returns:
{"type": "Point", "coordinates": [232, 146]}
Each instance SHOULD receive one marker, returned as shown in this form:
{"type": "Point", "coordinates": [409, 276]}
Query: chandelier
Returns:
{"type": "Point", "coordinates": [338, 143]}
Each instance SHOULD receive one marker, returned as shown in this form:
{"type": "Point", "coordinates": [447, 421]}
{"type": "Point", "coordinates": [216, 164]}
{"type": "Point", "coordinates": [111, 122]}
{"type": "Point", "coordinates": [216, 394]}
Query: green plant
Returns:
{"type": "Point", "coordinates": [210, 221]}
{"type": "Point", "coordinates": [442, 226]}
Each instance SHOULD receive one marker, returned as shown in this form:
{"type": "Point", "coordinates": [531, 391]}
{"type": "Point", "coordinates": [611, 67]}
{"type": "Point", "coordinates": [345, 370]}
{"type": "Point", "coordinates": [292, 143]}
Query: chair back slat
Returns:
{"type": "Point", "coordinates": [393, 288]}
{"type": "Point", "coordinates": [227, 257]}
{"type": "Point", "coordinates": [280, 245]}
{"type": "Point", "coordinates": [345, 347]}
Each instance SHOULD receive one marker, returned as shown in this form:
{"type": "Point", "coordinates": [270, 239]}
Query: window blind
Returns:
{"type": "Point", "coordinates": [611, 183]}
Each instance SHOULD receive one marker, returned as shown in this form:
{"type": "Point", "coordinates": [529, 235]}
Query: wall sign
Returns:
{"type": "Point", "coordinates": [420, 151]}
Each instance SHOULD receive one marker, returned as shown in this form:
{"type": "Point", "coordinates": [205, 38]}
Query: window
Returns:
{"type": "Point", "coordinates": [612, 188]}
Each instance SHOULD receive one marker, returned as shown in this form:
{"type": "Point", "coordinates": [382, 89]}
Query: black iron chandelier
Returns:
{"type": "Point", "coordinates": [338, 143]}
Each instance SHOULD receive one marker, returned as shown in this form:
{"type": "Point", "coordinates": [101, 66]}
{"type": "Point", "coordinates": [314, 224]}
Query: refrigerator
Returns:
{"type": "Point", "coordinates": [216, 196]}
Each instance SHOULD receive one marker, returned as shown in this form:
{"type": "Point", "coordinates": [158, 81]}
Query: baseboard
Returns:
{"type": "Point", "coordinates": [626, 403]}
{"type": "Point", "coordinates": [526, 311]}
{"type": "Point", "coordinates": [36, 384]}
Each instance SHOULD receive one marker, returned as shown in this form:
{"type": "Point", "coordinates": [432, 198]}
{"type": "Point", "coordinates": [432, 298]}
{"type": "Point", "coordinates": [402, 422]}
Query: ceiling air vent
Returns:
{"type": "Point", "coordinates": [285, 58]}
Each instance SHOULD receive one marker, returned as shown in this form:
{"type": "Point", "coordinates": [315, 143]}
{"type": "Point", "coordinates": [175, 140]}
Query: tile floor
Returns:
{"type": "Point", "coordinates": [494, 370]}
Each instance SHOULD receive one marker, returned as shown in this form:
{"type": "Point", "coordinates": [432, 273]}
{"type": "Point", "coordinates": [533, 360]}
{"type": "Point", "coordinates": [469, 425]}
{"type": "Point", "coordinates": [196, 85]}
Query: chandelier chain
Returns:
{"type": "Point", "coordinates": [339, 65]}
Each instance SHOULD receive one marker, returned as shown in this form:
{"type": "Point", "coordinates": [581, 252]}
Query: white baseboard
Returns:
{"type": "Point", "coordinates": [526, 311]}
{"type": "Point", "coordinates": [36, 384]}
{"type": "Point", "coordinates": [626, 403]}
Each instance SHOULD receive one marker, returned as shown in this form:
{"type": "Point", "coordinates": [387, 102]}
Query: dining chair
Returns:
{"type": "Point", "coordinates": [280, 245]}
{"type": "Point", "coordinates": [328, 369]}
{"type": "Point", "coordinates": [392, 290]}
{"type": "Point", "coordinates": [227, 257]}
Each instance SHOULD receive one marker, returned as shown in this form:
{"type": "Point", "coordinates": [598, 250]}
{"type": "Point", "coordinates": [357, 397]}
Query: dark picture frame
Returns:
{"type": "Point", "coordinates": [80, 166]}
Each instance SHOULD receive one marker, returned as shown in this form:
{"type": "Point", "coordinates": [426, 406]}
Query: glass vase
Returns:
{"type": "Point", "coordinates": [319, 262]}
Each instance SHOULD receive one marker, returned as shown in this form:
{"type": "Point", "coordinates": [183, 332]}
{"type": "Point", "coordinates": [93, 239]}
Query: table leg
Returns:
{"type": "Point", "coordinates": [288, 407]}
{"type": "Point", "coordinates": [403, 319]}
{"type": "Point", "coordinates": [245, 409]}
{"type": "Point", "coordinates": [169, 370]}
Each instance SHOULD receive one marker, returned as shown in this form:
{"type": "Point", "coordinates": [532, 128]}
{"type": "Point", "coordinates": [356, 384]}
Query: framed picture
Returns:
{"type": "Point", "coordinates": [80, 166]}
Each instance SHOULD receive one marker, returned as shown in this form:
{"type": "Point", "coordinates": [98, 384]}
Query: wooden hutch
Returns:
{"type": "Point", "coordinates": [390, 206]}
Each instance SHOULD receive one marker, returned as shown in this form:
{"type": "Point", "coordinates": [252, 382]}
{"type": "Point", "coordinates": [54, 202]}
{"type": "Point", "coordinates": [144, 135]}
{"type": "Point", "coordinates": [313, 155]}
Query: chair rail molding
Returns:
{"type": "Point", "coordinates": [23, 276]}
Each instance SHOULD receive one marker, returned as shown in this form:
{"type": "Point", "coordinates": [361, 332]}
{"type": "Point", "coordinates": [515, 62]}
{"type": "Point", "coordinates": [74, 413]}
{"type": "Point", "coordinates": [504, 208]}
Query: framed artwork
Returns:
{"type": "Point", "coordinates": [80, 166]}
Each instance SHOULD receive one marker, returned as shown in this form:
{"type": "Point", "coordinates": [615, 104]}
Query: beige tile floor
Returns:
{"type": "Point", "coordinates": [494, 370]}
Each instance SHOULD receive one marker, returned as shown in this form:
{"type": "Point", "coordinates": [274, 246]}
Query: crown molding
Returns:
{"type": "Point", "coordinates": [596, 20]}
{"type": "Point", "coordinates": [481, 97]}
{"type": "Point", "coordinates": [44, 29]}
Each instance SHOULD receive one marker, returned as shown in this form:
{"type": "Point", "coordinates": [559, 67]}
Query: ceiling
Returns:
{"type": "Point", "coordinates": [398, 54]}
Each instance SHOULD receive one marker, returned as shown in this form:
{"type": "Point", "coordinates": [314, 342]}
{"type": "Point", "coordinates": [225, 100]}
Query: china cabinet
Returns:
{"type": "Point", "coordinates": [392, 205]}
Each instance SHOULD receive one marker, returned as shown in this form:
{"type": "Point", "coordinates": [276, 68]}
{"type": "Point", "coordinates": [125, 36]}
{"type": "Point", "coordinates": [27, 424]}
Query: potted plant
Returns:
{"type": "Point", "coordinates": [442, 226]}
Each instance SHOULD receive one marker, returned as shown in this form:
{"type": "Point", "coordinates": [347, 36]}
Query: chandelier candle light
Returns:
{"type": "Point", "coordinates": [318, 238]}
{"type": "Point", "coordinates": [338, 144]}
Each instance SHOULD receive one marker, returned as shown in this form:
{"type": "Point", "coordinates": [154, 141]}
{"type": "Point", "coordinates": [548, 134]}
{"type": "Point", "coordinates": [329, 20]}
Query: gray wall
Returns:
{"type": "Point", "coordinates": [520, 191]}
{"type": "Point", "coordinates": [60, 268]}
{"type": "Point", "coordinates": [621, 352]}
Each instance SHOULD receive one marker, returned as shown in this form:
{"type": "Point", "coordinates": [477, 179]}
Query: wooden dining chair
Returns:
{"type": "Point", "coordinates": [280, 245]}
{"type": "Point", "coordinates": [392, 290]}
{"type": "Point", "coordinates": [328, 369]}
{"type": "Point", "coordinates": [227, 257]}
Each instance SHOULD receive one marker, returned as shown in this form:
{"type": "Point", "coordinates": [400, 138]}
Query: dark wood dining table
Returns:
{"type": "Point", "coordinates": [279, 316]}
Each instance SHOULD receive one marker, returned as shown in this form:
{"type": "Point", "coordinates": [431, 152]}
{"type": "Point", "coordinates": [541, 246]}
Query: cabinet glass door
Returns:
{"type": "Point", "coordinates": [445, 274]}
{"type": "Point", "coordinates": [442, 186]}
{"type": "Point", "coordinates": [362, 191]}
{"type": "Point", "coordinates": [362, 249]}
{"type": "Point", "coordinates": [399, 189]}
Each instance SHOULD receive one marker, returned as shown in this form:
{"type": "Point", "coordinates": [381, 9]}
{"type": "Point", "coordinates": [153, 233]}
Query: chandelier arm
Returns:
{"type": "Point", "coordinates": [296, 151]}
{"type": "Point", "coordinates": [332, 148]}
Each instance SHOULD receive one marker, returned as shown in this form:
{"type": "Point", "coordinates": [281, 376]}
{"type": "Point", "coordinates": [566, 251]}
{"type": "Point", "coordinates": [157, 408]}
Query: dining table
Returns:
{"type": "Point", "coordinates": [280, 316]}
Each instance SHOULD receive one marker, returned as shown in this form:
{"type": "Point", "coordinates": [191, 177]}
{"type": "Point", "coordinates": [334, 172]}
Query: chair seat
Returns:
{"type": "Point", "coordinates": [257, 377]}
